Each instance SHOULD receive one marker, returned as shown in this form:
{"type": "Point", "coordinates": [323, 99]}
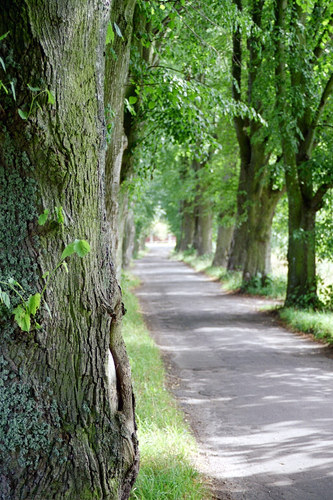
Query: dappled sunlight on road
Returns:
{"type": "Point", "coordinates": [260, 399]}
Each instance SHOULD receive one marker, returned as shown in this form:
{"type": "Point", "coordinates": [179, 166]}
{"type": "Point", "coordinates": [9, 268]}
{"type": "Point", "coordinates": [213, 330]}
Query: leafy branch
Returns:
{"type": "Point", "coordinates": [27, 309]}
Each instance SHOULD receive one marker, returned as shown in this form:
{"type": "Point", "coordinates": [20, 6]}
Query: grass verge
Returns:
{"type": "Point", "coordinates": [320, 324]}
{"type": "Point", "coordinates": [165, 441]}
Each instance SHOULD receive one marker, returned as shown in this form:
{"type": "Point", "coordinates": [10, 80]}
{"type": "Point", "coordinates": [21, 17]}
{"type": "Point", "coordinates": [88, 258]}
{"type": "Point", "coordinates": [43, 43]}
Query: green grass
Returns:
{"type": "Point", "coordinates": [232, 280]}
{"type": "Point", "coordinates": [320, 324]}
{"type": "Point", "coordinates": [165, 442]}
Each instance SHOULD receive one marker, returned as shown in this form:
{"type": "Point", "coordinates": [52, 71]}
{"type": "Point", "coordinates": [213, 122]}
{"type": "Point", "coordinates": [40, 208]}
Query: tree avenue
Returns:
{"type": "Point", "coordinates": [217, 115]}
{"type": "Point", "coordinates": [66, 418]}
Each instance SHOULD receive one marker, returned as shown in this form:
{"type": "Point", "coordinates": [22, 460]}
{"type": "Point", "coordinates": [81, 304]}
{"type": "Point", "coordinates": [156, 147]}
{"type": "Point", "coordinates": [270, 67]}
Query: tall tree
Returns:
{"type": "Point", "coordinates": [258, 193]}
{"type": "Point", "coordinates": [304, 85]}
{"type": "Point", "coordinates": [66, 418]}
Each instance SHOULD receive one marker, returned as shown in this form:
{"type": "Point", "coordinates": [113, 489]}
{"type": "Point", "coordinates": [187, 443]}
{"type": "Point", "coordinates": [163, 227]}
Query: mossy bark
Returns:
{"type": "Point", "coordinates": [224, 238]}
{"type": "Point", "coordinates": [187, 227]}
{"type": "Point", "coordinates": [75, 430]}
{"type": "Point", "coordinates": [117, 63]}
{"type": "Point", "coordinates": [256, 203]}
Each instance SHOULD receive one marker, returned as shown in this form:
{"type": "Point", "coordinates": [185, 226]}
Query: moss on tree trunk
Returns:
{"type": "Point", "coordinates": [67, 423]}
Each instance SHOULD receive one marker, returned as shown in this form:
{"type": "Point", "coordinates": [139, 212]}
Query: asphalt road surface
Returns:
{"type": "Point", "coordinates": [259, 399]}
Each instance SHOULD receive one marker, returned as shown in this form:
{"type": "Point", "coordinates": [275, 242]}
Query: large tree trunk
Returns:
{"type": "Point", "coordinates": [302, 287]}
{"type": "Point", "coordinates": [256, 203]}
{"type": "Point", "coordinates": [224, 238]}
{"type": "Point", "coordinates": [66, 418]}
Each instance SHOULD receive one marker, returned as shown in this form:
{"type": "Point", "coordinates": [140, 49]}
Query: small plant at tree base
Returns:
{"type": "Point", "coordinates": [38, 92]}
{"type": "Point", "coordinates": [27, 309]}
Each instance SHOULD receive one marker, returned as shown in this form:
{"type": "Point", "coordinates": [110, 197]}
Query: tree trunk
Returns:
{"type": "Point", "coordinates": [117, 63]}
{"type": "Point", "coordinates": [187, 228]}
{"type": "Point", "coordinates": [258, 254]}
{"type": "Point", "coordinates": [202, 241]}
{"type": "Point", "coordinates": [250, 249]}
{"type": "Point", "coordinates": [128, 239]}
{"type": "Point", "coordinates": [224, 238]}
{"type": "Point", "coordinates": [66, 418]}
{"type": "Point", "coordinates": [302, 287]}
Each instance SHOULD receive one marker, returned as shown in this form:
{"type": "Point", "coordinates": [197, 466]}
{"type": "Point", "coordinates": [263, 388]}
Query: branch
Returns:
{"type": "Point", "coordinates": [318, 198]}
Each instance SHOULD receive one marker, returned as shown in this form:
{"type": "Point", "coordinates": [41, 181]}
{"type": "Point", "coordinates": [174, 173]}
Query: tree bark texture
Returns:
{"type": "Point", "coordinates": [256, 203]}
{"type": "Point", "coordinates": [187, 227]}
{"type": "Point", "coordinates": [202, 240]}
{"type": "Point", "coordinates": [117, 63]}
{"type": "Point", "coordinates": [224, 238]}
{"type": "Point", "coordinates": [66, 418]}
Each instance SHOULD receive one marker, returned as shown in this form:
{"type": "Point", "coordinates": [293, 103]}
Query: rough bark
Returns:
{"type": "Point", "coordinates": [202, 240]}
{"type": "Point", "coordinates": [66, 419]}
{"type": "Point", "coordinates": [128, 239]}
{"type": "Point", "coordinates": [224, 238]}
{"type": "Point", "coordinates": [187, 228]}
{"type": "Point", "coordinates": [117, 62]}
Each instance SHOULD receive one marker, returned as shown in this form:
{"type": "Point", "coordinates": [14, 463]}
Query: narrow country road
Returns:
{"type": "Point", "coordinates": [260, 399]}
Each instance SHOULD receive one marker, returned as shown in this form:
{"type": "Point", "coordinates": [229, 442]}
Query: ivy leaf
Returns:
{"type": "Point", "coordinates": [22, 318]}
{"type": "Point", "coordinates": [109, 34]}
{"type": "Point", "coordinates": [69, 250]}
{"type": "Point", "coordinates": [117, 29]}
{"type": "Point", "coordinates": [50, 97]}
{"type": "Point", "coordinates": [23, 114]}
{"type": "Point", "coordinates": [33, 303]}
{"type": "Point", "coordinates": [45, 275]}
{"type": "Point", "coordinates": [132, 99]}
{"type": "Point", "coordinates": [81, 247]}
{"type": "Point", "coordinates": [43, 217]}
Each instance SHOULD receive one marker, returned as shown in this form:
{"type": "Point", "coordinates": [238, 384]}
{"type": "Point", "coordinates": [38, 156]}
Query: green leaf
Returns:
{"type": "Point", "coordinates": [4, 36]}
{"type": "Point", "coordinates": [60, 215]}
{"type": "Point", "coordinates": [45, 275]}
{"type": "Point", "coordinates": [22, 318]}
{"type": "Point", "coordinates": [162, 7]}
{"type": "Point", "coordinates": [2, 64]}
{"type": "Point", "coordinates": [33, 89]}
{"type": "Point", "coordinates": [69, 250]}
{"type": "Point", "coordinates": [50, 97]}
{"type": "Point", "coordinates": [81, 247]}
{"type": "Point", "coordinates": [47, 308]}
{"type": "Point", "coordinates": [6, 299]}
{"type": "Point", "coordinates": [117, 29]}
{"type": "Point", "coordinates": [132, 99]}
{"type": "Point", "coordinates": [65, 266]}
{"type": "Point", "coordinates": [38, 326]}
{"type": "Point", "coordinates": [33, 303]}
{"type": "Point", "coordinates": [109, 34]}
{"type": "Point", "coordinates": [151, 104]}
{"type": "Point", "coordinates": [13, 90]}
{"type": "Point", "coordinates": [43, 217]}
{"type": "Point", "coordinates": [23, 114]}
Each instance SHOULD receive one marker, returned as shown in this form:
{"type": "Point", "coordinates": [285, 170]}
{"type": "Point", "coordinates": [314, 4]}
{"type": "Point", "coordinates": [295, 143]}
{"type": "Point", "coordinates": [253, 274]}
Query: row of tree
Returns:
{"type": "Point", "coordinates": [226, 105]}
{"type": "Point", "coordinates": [265, 69]}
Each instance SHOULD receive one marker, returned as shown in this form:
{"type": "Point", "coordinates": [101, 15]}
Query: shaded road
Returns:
{"type": "Point", "coordinates": [260, 399]}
